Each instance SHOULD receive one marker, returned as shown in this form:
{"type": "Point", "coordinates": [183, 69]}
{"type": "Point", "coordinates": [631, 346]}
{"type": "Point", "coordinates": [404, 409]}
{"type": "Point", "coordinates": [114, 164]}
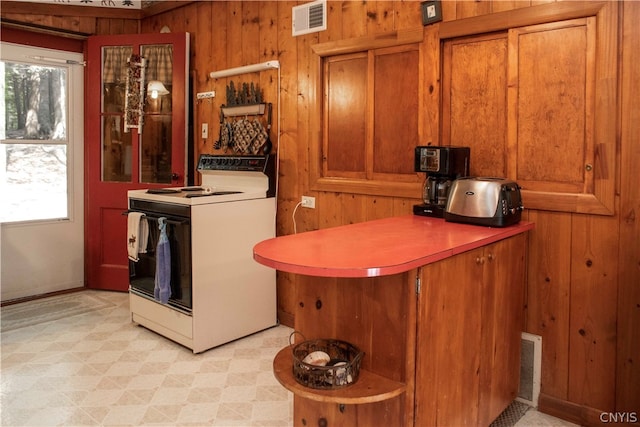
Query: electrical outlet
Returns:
{"type": "Point", "coordinates": [309, 202]}
{"type": "Point", "coordinates": [205, 130]}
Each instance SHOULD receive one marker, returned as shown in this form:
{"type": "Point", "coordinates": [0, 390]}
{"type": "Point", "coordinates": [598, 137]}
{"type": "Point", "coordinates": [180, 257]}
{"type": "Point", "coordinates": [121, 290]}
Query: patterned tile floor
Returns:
{"type": "Point", "coordinates": [97, 368]}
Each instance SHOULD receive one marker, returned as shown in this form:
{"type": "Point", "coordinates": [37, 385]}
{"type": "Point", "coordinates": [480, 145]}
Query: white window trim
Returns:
{"type": "Point", "coordinates": [73, 62]}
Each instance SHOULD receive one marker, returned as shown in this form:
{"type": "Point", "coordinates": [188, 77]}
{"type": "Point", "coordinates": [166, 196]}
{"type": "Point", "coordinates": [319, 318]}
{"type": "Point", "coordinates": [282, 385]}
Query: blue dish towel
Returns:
{"type": "Point", "coordinates": [162, 288]}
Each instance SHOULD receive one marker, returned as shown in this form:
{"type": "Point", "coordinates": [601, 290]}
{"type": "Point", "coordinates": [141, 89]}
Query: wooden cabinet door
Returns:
{"type": "Point", "coordinates": [474, 100]}
{"type": "Point", "coordinates": [371, 105]}
{"type": "Point", "coordinates": [502, 325]}
{"type": "Point", "coordinates": [448, 341]}
{"type": "Point", "coordinates": [561, 145]}
{"type": "Point", "coordinates": [537, 113]}
{"type": "Point", "coordinates": [369, 116]}
{"type": "Point", "coordinates": [470, 319]}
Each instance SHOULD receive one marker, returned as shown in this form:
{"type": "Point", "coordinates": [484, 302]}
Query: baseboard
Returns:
{"type": "Point", "coordinates": [40, 296]}
{"type": "Point", "coordinates": [584, 415]}
{"type": "Point", "coordinates": [286, 319]}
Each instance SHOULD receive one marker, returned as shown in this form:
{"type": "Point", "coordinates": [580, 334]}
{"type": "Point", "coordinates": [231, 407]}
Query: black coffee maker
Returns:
{"type": "Point", "coordinates": [442, 166]}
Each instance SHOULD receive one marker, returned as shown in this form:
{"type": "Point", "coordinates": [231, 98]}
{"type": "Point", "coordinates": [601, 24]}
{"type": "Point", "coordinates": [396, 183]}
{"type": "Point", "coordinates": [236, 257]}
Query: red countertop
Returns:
{"type": "Point", "coordinates": [377, 248]}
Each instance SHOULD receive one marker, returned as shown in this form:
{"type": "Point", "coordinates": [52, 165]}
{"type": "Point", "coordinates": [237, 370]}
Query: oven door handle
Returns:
{"type": "Point", "coordinates": [170, 219]}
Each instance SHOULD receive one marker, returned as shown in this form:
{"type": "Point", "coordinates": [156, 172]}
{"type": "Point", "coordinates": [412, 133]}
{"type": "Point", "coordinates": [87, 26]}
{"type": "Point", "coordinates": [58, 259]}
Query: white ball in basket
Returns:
{"type": "Point", "coordinates": [317, 358]}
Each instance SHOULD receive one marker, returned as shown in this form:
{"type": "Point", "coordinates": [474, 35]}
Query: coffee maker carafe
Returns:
{"type": "Point", "coordinates": [442, 165]}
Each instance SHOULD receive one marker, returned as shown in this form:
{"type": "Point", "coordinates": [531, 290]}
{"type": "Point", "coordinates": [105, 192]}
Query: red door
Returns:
{"type": "Point", "coordinates": [135, 137]}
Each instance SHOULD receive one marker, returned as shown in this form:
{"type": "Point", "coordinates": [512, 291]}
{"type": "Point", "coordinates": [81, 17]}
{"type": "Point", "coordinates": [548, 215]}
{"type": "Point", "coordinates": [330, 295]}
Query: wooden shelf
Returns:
{"type": "Point", "coordinates": [369, 388]}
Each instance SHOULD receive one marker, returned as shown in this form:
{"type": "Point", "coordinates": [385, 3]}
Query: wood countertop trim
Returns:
{"type": "Point", "coordinates": [377, 248]}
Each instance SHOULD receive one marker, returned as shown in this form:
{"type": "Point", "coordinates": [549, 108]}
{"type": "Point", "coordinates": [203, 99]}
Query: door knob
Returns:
{"type": "Point", "coordinates": [175, 176]}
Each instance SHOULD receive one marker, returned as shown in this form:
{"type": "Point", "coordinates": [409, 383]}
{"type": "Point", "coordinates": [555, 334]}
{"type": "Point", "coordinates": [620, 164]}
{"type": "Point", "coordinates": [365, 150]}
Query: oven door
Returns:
{"type": "Point", "coordinates": [143, 272]}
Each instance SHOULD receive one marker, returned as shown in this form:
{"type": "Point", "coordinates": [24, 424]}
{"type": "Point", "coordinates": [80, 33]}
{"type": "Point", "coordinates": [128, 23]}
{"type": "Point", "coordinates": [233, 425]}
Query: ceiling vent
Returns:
{"type": "Point", "coordinates": [309, 17]}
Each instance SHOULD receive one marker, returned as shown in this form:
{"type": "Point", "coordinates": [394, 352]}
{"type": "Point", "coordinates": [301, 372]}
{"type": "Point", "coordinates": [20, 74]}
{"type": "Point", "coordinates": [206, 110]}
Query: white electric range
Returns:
{"type": "Point", "coordinates": [219, 293]}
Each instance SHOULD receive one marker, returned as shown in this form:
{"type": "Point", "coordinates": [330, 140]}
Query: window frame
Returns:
{"type": "Point", "coordinates": [35, 56]}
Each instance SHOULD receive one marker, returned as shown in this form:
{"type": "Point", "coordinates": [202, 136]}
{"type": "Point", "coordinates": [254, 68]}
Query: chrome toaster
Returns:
{"type": "Point", "coordinates": [493, 202]}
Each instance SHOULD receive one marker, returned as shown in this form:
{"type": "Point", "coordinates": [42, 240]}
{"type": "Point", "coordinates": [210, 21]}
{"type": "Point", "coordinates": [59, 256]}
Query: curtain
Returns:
{"type": "Point", "coordinates": [114, 63]}
{"type": "Point", "coordinates": [159, 62]}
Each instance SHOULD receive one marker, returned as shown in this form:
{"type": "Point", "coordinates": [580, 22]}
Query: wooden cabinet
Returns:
{"type": "Point", "coordinates": [441, 335]}
{"type": "Point", "coordinates": [371, 114]}
{"type": "Point", "coordinates": [448, 344]}
{"type": "Point", "coordinates": [369, 118]}
{"type": "Point", "coordinates": [470, 316]}
{"type": "Point", "coordinates": [534, 103]}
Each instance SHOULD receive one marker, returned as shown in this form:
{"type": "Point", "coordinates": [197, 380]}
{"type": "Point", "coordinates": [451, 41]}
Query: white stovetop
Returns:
{"type": "Point", "coordinates": [248, 185]}
{"type": "Point", "coordinates": [205, 196]}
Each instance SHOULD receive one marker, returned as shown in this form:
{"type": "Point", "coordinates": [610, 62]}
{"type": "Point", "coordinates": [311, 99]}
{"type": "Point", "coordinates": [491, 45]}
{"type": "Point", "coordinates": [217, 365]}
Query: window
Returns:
{"type": "Point", "coordinates": [34, 143]}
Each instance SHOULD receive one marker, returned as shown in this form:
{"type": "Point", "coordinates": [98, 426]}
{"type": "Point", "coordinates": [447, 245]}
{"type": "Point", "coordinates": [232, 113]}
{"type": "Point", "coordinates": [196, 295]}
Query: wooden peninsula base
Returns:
{"type": "Point", "coordinates": [435, 306]}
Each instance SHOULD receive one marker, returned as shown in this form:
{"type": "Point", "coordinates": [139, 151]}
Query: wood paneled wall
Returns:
{"type": "Point", "coordinates": [583, 291]}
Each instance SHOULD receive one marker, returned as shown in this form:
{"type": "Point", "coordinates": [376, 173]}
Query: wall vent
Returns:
{"type": "Point", "coordinates": [530, 367]}
{"type": "Point", "coordinates": [309, 17]}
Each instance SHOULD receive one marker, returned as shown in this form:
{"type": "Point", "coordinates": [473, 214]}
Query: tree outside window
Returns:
{"type": "Point", "coordinates": [33, 142]}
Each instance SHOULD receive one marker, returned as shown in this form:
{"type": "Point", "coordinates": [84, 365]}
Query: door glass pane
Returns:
{"type": "Point", "coordinates": [33, 142]}
{"type": "Point", "coordinates": [155, 150]}
{"type": "Point", "coordinates": [116, 156]}
{"type": "Point", "coordinates": [114, 77]}
{"type": "Point", "coordinates": [159, 65]}
{"type": "Point", "coordinates": [116, 144]}
{"type": "Point", "coordinates": [155, 156]}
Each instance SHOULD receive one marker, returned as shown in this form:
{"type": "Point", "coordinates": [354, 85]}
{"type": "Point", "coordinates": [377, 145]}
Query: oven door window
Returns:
{"type": "Point", "coordinates": [142, 273]}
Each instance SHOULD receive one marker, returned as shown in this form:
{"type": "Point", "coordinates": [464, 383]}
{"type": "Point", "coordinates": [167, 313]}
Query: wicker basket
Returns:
{"type": "Point", "coordinates": [342, 370]}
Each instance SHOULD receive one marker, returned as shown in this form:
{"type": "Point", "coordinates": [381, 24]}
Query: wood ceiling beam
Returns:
{"type": "Point", "coordinates": [28, 8]}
